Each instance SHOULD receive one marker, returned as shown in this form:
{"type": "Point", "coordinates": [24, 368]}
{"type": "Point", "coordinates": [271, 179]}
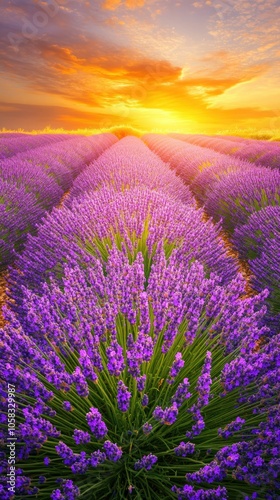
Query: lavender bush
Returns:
{"type": "Point", "coordinates": [186, 159]}
{"type": "Point", "coordinates": [32, 183]}
{"type": "Point", "coordinates": [16, 143]}
{"type": "Point", "coordinates": [258, 242]}
{"type": "Point", "coordinates": [221, 145]}
{"type": "Point", "coordinates": [210, 176]}
{"type": "Point", "coordinates": [240, 194]}
{"type": "Point", "coordinates": [262, 153]}
{"type": "Point", "coordinates": [127, 219]}
{"type": "Point", "coordinates": [128, 164]}
{"type": "Point", "coordinates": [149, 385]}
{"type": "Point", "coordinates": [261, 227]}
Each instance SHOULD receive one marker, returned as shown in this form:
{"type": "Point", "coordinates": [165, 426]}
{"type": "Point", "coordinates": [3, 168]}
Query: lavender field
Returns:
{"type": "Point", "coordinates": [140, 293]}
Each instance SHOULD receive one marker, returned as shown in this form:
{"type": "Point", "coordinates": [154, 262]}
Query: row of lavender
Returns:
{"type": "Point", "coordinates": [262, 153]}
{"type": "Point", "coordinates": [136, 355]}
{"type": "Point", "coordinates": [12, 144]}
{"type": "Point", "coordinates": [33, 182]}
{"type": "Point", "coordinates": [245, 197]}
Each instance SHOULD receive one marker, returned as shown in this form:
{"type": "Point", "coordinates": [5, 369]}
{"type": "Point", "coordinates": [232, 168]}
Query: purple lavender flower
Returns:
{"type": "Point", "coordinates": [66, 453]}
{"type": "Point", "coordinates": [199, 424]}
{"type": "Point", "coordinates": [87, 366]}
{"type": "Point", "coordinates": [158, 413]}
{"type": "Point", "coordinates": [81, 463]}
{"type": "Point", "coordinates": [177, 365]}
{"type": "Point", "coordinates": [182, 393]}
{"type": "Point", "coordinates": [81, 437]}
{"type": "Point", "coordinates": [96, 424]}
{"type": "Point", "coordinates": [147, 428]}
{"type": "Point", "coordinates": [208, 474]}
{"type": "Point", "coordinates": [167, 416]}
{"type": "Point", "coordinates": [145, 400]}
{"type": "Point", "coordinates": [234, 426]}
{"type": "Point", "coordinates": [190, 493]}
{"type": "Point", "coordinates": [123, 397]}
{"type": "Point", "coordinates": [69, 491]}
{"type": "Point", "coordinates": [80, 382]}
{"type": "Point", "coordinates": [204, 382]}
{"type": "Point", "coordinates": [184, 449]}
{"type": "Point", "coordinates": [113, 451]}
{"type": "Point", "coordinates": [141, 381]}
{"type": "Point", "coordinates": [67, 406]}
{"type": "Point", "coordinates": [97, 457]}
{"type": "Point", "coordinates": [146, 462]}
{"type": "Point", "coordinates": [57, 495]}
{"type": "Point", "coordinates": [115, 359]}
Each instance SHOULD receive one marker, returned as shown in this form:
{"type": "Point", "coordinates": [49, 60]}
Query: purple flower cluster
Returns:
{"type": "Point", "coordinates": [177, 365]}
{"type": "Point", "coordinates": [115, 359]}
{"type": "Point", "coordinates": [113, 451]}
{"type": "Point", "coordinates": [258, 241]}
{"type": "Point", "coordinates": [146, 462]}
{"type": "Point", "coordinates": [96, 424]}
{"type": "Point", "coordinates": [184, 449]}
{"type": "Point", "coordinates": [234, 426]}
{"type": "Point", "coordinates": [167, 416]}
{"type": "Point", "coordinates": [123, 397]}
{"type": "Point", "coordinates": [182, 393]}
{"type": "Point", "coordinates": [81, 437]}
{"type": "Point", "coordinates": [190, 493]}
{"type": "Point", "coordinates": [147, 428]}
{"type": "Point", "coordinates": [69, 491]}
{"type": "Point", "coordinates": [204, 382]}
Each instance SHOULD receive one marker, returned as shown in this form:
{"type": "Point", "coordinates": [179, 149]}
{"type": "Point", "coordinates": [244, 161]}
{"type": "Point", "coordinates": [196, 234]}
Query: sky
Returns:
{"type": "Point", "coordinates": [166, 66]}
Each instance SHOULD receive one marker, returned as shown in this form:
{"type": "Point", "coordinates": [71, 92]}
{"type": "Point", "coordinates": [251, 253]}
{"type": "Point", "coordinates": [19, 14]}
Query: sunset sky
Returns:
{"type": "Point", "coordinates": [190, 66]}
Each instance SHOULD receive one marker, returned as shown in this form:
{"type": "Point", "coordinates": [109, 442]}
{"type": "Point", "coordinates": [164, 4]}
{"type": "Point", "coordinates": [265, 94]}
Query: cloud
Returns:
{"type": "Point", "coordinates": [129, 4]}
{"type": "Point", "coordinates": [30, 117]}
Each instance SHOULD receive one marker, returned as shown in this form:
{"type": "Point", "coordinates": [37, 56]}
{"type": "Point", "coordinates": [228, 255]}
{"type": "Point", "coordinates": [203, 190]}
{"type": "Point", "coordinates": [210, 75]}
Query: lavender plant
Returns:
{"type": "Point", "coordinates": [137, 219]}
{"type": "Point", "coordinates": [210, 176]}
{"type": "Point", "coordinates": [258, 242]}
{"type": "Point", "coordinates": [32, 183]}
{"type": "Point", "coordinates": [142, 385]}
{"type": "Point", "coordinates": [16, 143]}
{"type": "Point", "coordinates": [262, 153]}
{"type": "Point", "coordinates": [221, 145]}
{"type": "Point", "coordinates": [186, 159]}
{"type": "Point", "coordinates": [128, 164]}
{"type": "Point", "coordinates": [240, 194]}
{"type": "Point", "coordinates": [262, 226]}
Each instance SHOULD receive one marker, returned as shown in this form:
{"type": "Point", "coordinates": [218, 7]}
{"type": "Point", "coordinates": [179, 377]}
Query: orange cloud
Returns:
{"type": "Point", "coordinates": [129, 4]}
{"type": "Point", "coordinates": [111, 4]}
